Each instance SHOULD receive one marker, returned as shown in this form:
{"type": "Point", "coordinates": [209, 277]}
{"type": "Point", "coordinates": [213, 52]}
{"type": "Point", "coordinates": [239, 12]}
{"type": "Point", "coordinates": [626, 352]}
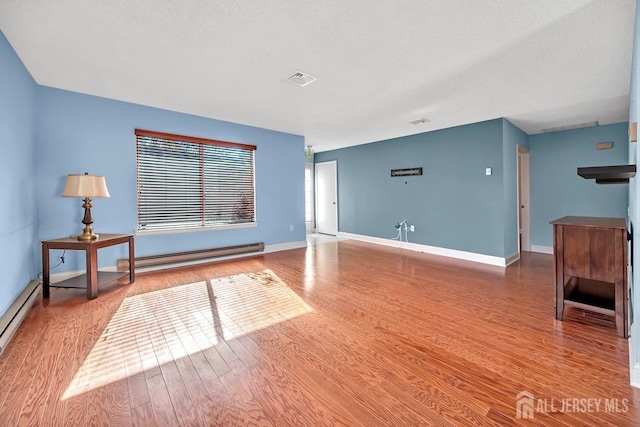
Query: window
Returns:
{"type": "Point", "coordinates": [190, 183]}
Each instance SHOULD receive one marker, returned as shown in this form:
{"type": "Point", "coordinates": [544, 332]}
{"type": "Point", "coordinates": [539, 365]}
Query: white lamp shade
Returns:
{"type": "Point", "coordinates": [85, 186]}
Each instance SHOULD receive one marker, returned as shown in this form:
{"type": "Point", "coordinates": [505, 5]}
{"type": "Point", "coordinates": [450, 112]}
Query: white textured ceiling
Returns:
{"type": "Point", "coordinates": [379, 64]}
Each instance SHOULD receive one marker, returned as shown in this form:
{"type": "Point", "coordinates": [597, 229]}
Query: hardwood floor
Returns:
{"type": "Point", "coordinates": [342, 333]}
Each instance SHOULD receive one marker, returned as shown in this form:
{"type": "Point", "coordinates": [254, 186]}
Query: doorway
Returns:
{"type": "Point", "coordinates": [524, 199]}
{"type": "Point", "coordinates": [327, 197]}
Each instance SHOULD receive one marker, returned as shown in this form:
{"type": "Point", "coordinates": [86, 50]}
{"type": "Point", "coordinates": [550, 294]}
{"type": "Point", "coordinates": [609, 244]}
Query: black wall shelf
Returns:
{"type": "Point", "coordinates": [608, 174]}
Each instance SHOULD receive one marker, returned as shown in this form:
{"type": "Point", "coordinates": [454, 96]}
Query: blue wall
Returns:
{"type": "Point", "coordinates": [556, 188]}
{"type": "Point", "coordinates": [47, 133]}
{"type": "Point", "coordinates": [511, 138]}
{"type": "Point", "coordinates": [453, 205]}
{"type": "Point", "coordinates": [79, 133]}
{"type": "Point", "coordinates": [18, 210]}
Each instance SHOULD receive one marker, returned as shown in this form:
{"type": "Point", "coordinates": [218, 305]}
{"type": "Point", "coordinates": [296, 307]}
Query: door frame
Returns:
{"type": "Point", "coordinates": [523, 162]}
{"type": "Point", "coordinates": [335, 162]}
{"type": "Point", "coordinates": [311, 225]}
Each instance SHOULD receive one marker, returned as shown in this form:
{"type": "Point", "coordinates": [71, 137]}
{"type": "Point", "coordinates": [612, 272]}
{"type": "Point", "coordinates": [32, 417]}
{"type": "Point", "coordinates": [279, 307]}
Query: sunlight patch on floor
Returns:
{"type": "Point", "coordinates": [151, 329]}
{"type": "Point", "coordinates": [252, 301]}
{"type": "Point", "coordinates": [144, 326]}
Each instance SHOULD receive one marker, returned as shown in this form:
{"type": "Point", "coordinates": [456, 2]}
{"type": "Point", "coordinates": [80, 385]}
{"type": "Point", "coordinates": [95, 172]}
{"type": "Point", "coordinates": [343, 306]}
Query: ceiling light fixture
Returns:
{"type": "Point", "coordinates": [419, 121]}
{"type": "Point", "coordinates": [308, 152]}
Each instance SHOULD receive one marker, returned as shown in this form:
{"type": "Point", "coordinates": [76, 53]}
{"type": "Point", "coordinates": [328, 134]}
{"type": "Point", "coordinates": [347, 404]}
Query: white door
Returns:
{"type": "Point", "coordinates": [327, 197]}
{"type": "Point", "coordinates": [524, 198]}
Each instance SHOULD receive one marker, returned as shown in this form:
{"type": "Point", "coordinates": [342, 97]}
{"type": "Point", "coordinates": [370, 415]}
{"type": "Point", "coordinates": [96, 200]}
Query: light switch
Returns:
{"type": "Point", "coordinates": [487, 171]}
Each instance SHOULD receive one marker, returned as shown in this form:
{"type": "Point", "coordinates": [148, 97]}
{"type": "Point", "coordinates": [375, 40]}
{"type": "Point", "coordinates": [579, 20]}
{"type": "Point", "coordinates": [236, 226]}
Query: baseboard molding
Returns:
{"type": "Point", "coordinates": [285, 246]}
{"type": "Point", "coordinates": [434, 250]}
{"type": "Point", "coordinates": [15, 314]}
{"type": "Point", "coordinates": [635, 375]}
{"type": "Point", "coordinates": [58, 277]}
{"type": "Point", "coordinates": [514, 257]}
{"type": "Point", "coordinates": [542, 249]}
{"type": "Point", "coordinates": [634, 367]}
{"type": "Point", "coordinates": [64, 275]}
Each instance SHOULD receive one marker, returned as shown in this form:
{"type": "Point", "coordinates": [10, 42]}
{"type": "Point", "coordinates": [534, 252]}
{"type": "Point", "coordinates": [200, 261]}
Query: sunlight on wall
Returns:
{"type": "Point", "coordinates": [154, 328]}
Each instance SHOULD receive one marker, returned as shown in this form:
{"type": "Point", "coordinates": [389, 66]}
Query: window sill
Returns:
{"type": "Point", "coordinates": [195, 230]}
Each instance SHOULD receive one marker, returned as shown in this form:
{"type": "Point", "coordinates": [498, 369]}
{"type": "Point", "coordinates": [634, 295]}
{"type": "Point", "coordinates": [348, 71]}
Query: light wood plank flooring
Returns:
{"type": "Point", "coordinates": [342, 333]}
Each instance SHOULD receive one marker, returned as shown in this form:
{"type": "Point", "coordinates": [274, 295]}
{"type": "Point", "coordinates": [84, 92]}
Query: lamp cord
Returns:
{"type": "Point", "coordinates": [57, 265]}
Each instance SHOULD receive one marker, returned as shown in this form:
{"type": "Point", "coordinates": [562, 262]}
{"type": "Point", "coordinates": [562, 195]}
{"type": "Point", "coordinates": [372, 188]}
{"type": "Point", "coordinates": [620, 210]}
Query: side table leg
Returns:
{"type": "Point", "coordinates": [559, 296]}
{"type": "Point", "coordinates": [45, 271]}
{"type": "Point", "coordinates": [620, 309]}
{"type": "Point", "coordinates": [558, 269]}
{"type": "Point", "coordinates": [132, 263]}
{"type": "Point", "coordinates": [92, 272]}
{"type": "Point", "coordinates": [620, 284]}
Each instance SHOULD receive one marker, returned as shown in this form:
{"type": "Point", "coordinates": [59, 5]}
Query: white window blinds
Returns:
{"type": "Point", "coordinates": [186, 182]}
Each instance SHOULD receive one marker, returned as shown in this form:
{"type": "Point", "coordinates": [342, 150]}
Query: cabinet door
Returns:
{"type": "Point", "coordinates": [589, 253]}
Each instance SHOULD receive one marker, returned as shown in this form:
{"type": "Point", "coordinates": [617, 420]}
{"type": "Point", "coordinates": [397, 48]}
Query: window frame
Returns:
{"type": "Point", "coordinates": [200, 141]}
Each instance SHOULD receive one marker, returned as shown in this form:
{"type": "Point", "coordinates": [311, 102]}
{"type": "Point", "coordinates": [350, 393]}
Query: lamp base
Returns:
{"type": "Point", "coordinates": [88, 234]}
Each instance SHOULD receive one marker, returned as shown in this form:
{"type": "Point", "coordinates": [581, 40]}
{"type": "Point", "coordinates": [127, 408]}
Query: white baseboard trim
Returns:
{"type": "Point", "coordinates": [635, 375]}
{"type": "Point", "coordinates": [542, 249]}
{"type": "Point", "coordinates": [451, 253]}
{"type": "Point", "coordinates": [284, 246]}
{"type": "Point", "coordinates": [58, 277]}
{"type": "Point", "coordinates": [514, 257]}
{"type": "Point", "coordinates": [64, 275]}
{"type": "Point", "coordinates": [634, 367]}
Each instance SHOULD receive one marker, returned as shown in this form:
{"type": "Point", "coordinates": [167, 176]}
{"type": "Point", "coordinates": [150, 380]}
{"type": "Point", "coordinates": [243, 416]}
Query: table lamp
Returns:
{"type": "Point", "coordinates": [86, 186]}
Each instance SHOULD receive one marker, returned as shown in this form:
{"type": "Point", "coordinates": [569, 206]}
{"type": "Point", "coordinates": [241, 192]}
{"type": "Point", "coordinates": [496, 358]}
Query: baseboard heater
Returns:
{"type": "Point", "coordinates": [16, 313]}
{"type": "Point", "coordinates": [203, 254]}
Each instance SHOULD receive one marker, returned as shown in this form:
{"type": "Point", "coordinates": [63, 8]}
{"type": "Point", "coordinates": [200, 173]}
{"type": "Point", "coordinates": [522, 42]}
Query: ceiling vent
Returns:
{"type": "Point", "coordinates": [301, 79]}
{"type": "Point", "coordinates": [574, 126]}
{"type": "Point", "coordinates": [419, 121]}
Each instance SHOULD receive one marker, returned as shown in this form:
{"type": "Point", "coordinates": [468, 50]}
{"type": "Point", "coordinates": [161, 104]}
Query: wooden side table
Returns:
{"type": "Point", "coordinates": [93, 278]}
{"type": "Point", "coordinates": [590, 266]}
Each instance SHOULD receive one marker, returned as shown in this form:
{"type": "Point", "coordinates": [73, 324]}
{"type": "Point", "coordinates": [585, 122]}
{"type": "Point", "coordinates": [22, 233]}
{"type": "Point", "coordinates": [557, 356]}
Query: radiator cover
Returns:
{"type": "Point", "coordinates": [172, 258]}
{"type": "Point", "coordinates": [16, 313]}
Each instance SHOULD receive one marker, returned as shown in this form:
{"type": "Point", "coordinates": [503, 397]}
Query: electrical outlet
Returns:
{"type": "Point", "coordinates": [412, 228]}
{"type": "Point", "coordinates": [291, 227]}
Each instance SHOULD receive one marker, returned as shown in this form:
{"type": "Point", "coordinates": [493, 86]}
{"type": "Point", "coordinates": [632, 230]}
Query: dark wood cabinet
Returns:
{"type": "Point", "coordinates": [591, 267]}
